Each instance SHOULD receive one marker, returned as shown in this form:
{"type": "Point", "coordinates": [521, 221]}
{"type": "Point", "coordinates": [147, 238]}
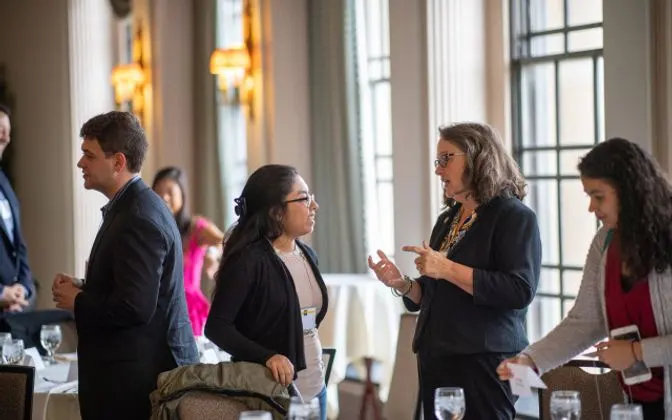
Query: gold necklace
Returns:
{"type": "Point", "coordinates": [455, 231]}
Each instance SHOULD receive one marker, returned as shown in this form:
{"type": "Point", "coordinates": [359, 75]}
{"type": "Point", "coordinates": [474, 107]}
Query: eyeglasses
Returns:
{"type": "Point", "coordinates": [309, 200]}
{"type": "Point", "coordinates": [443, 160]}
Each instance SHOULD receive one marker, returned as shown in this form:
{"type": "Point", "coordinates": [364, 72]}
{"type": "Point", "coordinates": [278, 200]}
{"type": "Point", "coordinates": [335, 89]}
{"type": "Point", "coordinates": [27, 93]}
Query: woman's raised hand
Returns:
{"type": "Point", "coordinates": [387, 271]}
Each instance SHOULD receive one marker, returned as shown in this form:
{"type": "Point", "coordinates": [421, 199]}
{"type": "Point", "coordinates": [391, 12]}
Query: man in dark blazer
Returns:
{"type": "Point", "coordinates": [17, 288]}
{"type": "Point", "coordinates": [16, 281]}
{"type": "Point", "coordinates": [130, 309]}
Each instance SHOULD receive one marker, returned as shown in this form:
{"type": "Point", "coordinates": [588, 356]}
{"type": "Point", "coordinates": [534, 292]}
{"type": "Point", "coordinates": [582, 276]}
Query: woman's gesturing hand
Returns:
{"type": "Point", "coordinates": [387, 272]}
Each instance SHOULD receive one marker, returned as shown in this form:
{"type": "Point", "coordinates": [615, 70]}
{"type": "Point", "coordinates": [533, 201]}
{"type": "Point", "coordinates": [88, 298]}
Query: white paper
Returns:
{"type": "Point", "coordinates": [209, 356]}
{"type": "Point", "coordinates": [27, 361]}
{"type": "Point", "coordinates": [73, 372]}
{"type": "Point", "coordinates": [36, 358]}
{"type": "Point", "coordinates": [524, 379]}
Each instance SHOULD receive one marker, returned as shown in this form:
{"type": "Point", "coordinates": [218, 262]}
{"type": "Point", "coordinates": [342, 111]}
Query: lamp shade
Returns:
{"type": "Point", "coordinates": [223, 61]}
{"type": "Point", "coordinates": [125, 79]}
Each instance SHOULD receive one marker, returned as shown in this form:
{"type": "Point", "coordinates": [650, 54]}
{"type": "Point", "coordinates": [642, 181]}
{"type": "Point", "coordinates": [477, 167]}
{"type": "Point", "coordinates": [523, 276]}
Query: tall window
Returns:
{"type": "Point", "coordinates": [231, 123]}
{"type": "Point", "coordinates": [373, 46]}
{"type": "Point", "coordinates": [558, 115]}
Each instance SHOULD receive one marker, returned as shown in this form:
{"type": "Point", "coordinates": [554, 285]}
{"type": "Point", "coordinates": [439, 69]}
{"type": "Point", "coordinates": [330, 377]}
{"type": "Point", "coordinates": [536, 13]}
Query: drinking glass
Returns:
{"type": "Point", "coordinates": [13, 352]}
{"type": "Point", "coordinates": [304, 410]}
{"type": "Point", "coordinates": [449, 403]}
{"type": "Point", "coordinates": [50, 338]}
{"type": "Point", "coordinates": [4, 338]}
{"type": "Point", "coordinates": [626, 412]}
{"type": "Point", "coordinates": [565, 405]}
{"type": "Point", "coordinates": [255, 415]}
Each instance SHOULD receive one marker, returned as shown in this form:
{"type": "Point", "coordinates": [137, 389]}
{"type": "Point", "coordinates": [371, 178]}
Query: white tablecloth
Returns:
{"type": "Point", "coordinates": [55, 398]}
{"type": "Point", "coordinates": [363, 320]}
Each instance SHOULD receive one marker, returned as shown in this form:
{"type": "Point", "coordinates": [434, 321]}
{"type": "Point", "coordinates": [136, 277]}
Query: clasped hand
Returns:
{"type": "Point", "coordinates": [13, 298]}
{"type": "Point", "coordinates": [64, 292]}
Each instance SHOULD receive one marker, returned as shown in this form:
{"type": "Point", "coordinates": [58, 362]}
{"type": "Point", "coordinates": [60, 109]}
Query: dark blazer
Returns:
{"type": "Point", "coordinates": [503, 247]}
{"type": "Point", "coordinates": [255, 311]}
{"type": "Point", "coordinates": [131, 317]}
{"type": "Point", "coordinates": [13, 254]}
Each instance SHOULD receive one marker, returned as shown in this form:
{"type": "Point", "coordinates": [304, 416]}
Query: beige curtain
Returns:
{"type": "Point", "coordinates": [335, 136]}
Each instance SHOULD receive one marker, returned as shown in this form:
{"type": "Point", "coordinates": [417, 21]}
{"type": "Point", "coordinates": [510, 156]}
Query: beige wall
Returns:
{"type": "Point", "coordinates": [285, 90]}
{"type": "Point", "coordinates": [38, 70]}
{"type": "Point", "coordinates": [627, 71]}
{"type": "Point", "coordinates": [57, 86]}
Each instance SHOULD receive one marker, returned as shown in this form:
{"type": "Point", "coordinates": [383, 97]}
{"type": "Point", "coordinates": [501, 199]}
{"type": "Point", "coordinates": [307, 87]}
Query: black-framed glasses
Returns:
{"type": "Point", "coordinates": [444, 159]}
{"type": "Point", "coordinates": [309, 199]}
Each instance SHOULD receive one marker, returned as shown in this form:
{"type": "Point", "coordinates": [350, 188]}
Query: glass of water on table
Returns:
{"type": "Point", "coordinates": [449, 403]}
{"type": "Point", "coordinates": [50, 339]}
{"type": "Point", "coordinates": [13, 352]}
{"type": "Point", "coordinates": [565, 405]}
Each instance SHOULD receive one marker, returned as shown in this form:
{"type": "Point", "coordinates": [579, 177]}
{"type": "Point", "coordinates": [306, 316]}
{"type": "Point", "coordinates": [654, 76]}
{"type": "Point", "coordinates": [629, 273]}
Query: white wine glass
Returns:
{"type": "Point", "coordinates": [5, 337]}
{"type": "Point", "coordinates": [255, 415]}
{"type": "Point", "coordinates": [565, 405]}
{"type": "Point", "coordinates": [50, 339]}
{"type": "Point", "coordinates": [449, 403]}
{"type": "Point", "coordinates": [303, 410]}
{"type": "Point", "coordinates": [626, 412]}
{"type": "Point", "coordinates": [13, 352]}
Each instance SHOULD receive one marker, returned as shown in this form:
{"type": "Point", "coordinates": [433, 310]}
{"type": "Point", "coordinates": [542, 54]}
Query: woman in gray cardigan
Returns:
{"type": "Point", "coordinates": [627, 278]}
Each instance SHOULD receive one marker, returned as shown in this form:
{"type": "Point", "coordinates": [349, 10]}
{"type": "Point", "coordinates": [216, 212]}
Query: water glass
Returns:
{"type": "Point", "coordinates": [565, 405]}
{"type": "Point", "coordinates": [13, 352]}
{"type": "Point", "coordinates": [449, 403]}
{"type": "Point", "coordinates": [626, 412]}
{"type": "Point", "coordinates": [255, 415]}
{"type": "Point", "coordinates": [4, 338]}
{"type": "Point", "coordinates": [50, 338]}
{"type": "Point", "coordinates": [304, 410]}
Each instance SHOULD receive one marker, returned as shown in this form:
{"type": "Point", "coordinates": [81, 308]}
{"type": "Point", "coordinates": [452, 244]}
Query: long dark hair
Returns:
{"type": "Point", "coordinates": [260, 208]}
{"type": "Point", "coordinates": [183, 215]}
{"type": "Point", "coordinates": [645, 203]}
{"type": "Point", "coordinates": [490, 170]}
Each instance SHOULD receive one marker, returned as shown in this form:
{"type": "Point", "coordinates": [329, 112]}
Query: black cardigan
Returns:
{"type": "Point", "coordinates": [255, 311]}
{"type": "Point", "coordinates": [503, 247]}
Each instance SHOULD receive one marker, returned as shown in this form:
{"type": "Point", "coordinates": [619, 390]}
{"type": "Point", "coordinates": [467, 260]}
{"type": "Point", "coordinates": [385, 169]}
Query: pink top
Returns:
{"type": "Point", "coordinates": [194, 255]}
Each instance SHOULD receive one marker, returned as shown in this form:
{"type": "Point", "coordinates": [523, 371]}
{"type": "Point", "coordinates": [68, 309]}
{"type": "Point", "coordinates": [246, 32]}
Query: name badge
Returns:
{"type": "Point", "coordinates": [308, 316]}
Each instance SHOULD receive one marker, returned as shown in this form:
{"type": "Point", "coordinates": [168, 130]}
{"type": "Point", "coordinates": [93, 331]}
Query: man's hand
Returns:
{"type": "Point", "coordinates": [65, 292]}
{"type": "Point", "coordinates": [15, 307]}
{"type": "Point", "coordinates": [13, 298]}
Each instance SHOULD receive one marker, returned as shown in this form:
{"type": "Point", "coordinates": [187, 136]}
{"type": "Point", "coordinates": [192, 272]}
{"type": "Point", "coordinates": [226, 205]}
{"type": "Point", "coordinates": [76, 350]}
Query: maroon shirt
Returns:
{"type": "Point", "coordinates": [627, 308]}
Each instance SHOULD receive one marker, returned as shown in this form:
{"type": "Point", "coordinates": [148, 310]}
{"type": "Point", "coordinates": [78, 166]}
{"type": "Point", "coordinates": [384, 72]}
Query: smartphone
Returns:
{"type": "Point", "coordinates": [638, 372]}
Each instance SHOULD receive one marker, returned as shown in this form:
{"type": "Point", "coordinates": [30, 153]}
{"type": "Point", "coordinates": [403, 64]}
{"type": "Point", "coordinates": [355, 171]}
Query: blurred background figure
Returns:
{"type": "Point", "coordinates": [201, 242]}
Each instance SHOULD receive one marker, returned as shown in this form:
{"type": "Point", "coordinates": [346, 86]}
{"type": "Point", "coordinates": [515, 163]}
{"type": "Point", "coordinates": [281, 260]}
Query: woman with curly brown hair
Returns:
{"type": "Point", "coordinates": [626, 278]}
{"type": "Point", "coordinates": [478, 274]}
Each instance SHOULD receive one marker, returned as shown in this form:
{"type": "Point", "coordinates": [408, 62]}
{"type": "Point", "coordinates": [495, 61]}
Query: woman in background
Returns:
{"type": "Point", "coordinates": [270, 297]}
{"type": "Point", "coordinates": [201, 243]}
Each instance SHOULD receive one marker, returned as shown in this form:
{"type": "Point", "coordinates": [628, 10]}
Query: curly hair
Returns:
{"type": "Point", "coordinates": [645, 203]}
{"type": "Point", "coordinates": [490, 170]}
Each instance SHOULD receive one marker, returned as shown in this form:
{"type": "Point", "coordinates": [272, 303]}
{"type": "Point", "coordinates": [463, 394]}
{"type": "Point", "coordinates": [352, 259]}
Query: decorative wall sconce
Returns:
{"type": "Point", "coordinates": [129, 80]}
{"type": "Point", "coordinates": [233, 67]}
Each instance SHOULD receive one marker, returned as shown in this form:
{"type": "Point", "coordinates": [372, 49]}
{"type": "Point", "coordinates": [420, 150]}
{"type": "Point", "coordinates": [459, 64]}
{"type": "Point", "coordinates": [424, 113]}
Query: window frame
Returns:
{"type": "Point", "coordinates": [523, 57]}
